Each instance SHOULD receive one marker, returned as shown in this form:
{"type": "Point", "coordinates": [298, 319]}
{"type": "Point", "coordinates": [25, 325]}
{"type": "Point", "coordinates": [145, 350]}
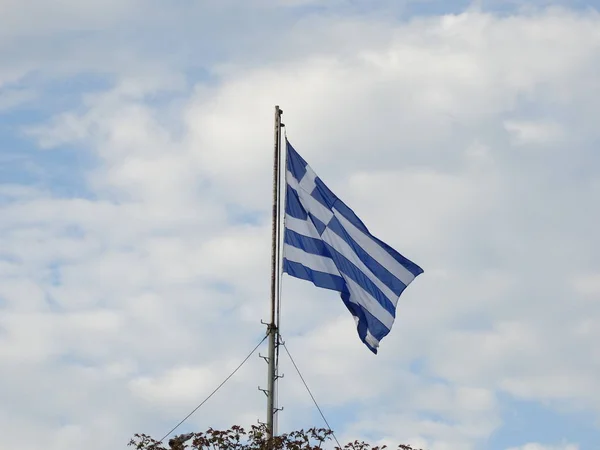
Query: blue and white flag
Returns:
{"type": "Point", "coordinates": [326, 243]}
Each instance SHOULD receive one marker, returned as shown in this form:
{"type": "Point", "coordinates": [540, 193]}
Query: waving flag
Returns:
{"type": "Point", "coordinates": [327, 244]}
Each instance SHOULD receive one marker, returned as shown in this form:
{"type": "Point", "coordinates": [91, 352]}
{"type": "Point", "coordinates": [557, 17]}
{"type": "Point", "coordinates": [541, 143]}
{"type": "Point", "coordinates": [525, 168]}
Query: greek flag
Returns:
{"type": "Point", "coordinates": [326, 243]}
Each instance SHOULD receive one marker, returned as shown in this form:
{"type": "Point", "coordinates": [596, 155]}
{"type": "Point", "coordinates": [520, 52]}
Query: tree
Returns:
{"type": "Point", "coordinates": [237, 438]}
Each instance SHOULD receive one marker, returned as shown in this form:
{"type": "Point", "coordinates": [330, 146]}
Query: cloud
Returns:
{"type": "Point", "coordinates": [124, 307]}
{"type": "Point", "coordinates": [587, 285]}
{"type": "Point", "coordinates": [524, 133]}
{"type": "Point", "coordinates": [533, 446]}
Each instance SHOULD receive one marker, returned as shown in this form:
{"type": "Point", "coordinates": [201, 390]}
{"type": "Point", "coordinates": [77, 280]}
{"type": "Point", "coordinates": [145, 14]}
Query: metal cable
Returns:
{"type": "Point", "coordinates": [213, 392]}
{"type": "Point", "coordinates": [311, 395]}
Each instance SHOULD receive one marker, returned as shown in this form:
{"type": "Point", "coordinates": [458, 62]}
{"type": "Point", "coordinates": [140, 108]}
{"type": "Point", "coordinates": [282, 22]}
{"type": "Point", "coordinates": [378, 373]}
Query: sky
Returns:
{"type": "Point", "coordinates": [135, 195]}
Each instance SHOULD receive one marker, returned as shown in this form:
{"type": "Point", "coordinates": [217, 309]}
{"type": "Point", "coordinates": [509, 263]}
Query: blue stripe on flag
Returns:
{"type": "Point", "coordinates": [348, 268]}
{"type": "Point", "coordinates": [319, 279]}
{"type": "Point", "coordinates": [410, 266]}
{"type": "Point", "coordinates": [378, 270]}
{"type": "Point", "coordinates": [344, 265]}
{"type": "Point", "coordinates": [335, 283]}
{"type": "Point", "coordinates": [328, 199]}
{"type": "Point", "coordinates": [295, 164]}
{"type": "Point", "coordinates": [320, 226]}
{"type": "Point", "coordinates": [321, 196]}
{"type": "Point", "coordinates": [354, 220]}
{"type": "Point", "coordinates": [308, 244]}
{"type": "Point", "coordinates": [333, 200]}
{"type": "Point", "coordinates": [293, 207]}
{"type": "Point", "coordinates": [366, 321]}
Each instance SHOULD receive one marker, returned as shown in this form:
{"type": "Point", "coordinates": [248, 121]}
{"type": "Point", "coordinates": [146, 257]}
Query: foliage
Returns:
{"type": "Point", "coordinates": [237, 438]}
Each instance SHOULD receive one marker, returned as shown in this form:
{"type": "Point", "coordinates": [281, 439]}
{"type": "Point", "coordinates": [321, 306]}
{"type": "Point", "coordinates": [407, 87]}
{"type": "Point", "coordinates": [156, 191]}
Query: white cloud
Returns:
{"type": "Point", "coordinates": [176, 385]}
{"type": "Point", "coordinates": [588, 285]}
{"type": "Point", "coordinates": [523, 132]}
{"type": "Point", "coordinates": [151, 292]}
{"type": "Point", "coordinates": [535, 446]}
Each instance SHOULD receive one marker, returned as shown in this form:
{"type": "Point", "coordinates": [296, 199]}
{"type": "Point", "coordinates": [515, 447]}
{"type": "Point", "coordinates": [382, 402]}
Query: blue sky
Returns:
{"type": "Point", "coordinates": [135, 165]}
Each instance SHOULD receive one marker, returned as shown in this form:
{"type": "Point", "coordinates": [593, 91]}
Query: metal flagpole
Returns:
{"type": "Point", "coordinates": [272, 327]}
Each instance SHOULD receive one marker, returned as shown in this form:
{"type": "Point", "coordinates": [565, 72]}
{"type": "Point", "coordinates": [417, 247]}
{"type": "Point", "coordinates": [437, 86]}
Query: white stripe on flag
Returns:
{"type": "Point", "coordinates": [369, 338]}
{"type": "Point", "coordinates": [314, 262]}
{"type": "Point", "coordinates": [306, 228]}
{"type": "Point", "coordinates": [303, 227]}
{"type": "Point", "coordinates": [308, 180]}
{"type": "Point", "coordinates": [359, 296]}
{"type": "Point", "coordinates": [344, 248]}
{"type": "Point", "coordinates": [309, 203]}
{"type": "Point", "coordinates": [375, 250]}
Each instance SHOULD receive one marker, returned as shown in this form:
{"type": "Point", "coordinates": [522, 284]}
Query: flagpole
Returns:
{"type": "Point", "coordinates": [272, 327]}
